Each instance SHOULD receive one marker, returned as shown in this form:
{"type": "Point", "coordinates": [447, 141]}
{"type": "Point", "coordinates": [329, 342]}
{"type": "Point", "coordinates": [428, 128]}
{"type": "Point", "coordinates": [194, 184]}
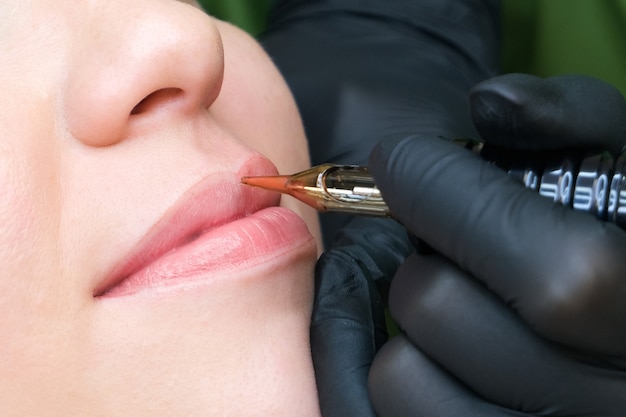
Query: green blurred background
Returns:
{"type": "Point", "coordinates": [247, 14]}
{"type": "Point", "coordinates": [542, 37]}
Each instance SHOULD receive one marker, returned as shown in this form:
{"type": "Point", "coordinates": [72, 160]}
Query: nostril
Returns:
{"type": "Point", "coordinates": [157, 99]}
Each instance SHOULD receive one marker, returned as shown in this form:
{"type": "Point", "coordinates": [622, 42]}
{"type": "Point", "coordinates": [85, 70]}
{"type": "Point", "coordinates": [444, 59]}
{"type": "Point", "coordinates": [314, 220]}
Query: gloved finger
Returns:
{"type": "Point", "coordinates": [348, 324]}
{"type": "Point", "coordinates": [561, 270]}
{"type": "Point", "coordinates": [468, 331]}
{"type": "Point", "coordinates": [347, 320]}
{"type": "Point", "coordinates": [406, 383]}
{"type": "Point", "coordinates": [525, 112]}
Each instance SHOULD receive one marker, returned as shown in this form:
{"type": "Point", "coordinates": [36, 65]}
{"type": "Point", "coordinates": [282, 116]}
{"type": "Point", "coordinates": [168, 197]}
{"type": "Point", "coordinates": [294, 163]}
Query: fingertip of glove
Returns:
{"type": "Point", "coordinates": [383, 150]}
{"type": "Point", "coordinates": [498, 106]}
{"type": "Point", "coordinates": [526, 112]}
{"type": "Point", "coordinates": [401, 165]}
{"type": "Point", "coordinates": [393, 165]}
{"type": "Point", "coordinates": [389, 157]}
{"type": "Point", "coordinates": [509, 86]}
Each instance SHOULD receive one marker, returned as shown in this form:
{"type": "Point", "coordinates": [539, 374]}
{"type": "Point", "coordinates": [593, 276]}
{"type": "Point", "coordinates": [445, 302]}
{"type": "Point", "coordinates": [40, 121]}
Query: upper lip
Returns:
{"type": "Point", "coordinates": [214, 201]}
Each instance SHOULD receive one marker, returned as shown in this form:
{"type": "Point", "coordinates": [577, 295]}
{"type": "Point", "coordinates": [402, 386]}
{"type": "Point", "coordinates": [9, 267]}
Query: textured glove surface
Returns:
{"type": "Point", "coordinates": [348, 324]}
{"type": "Point", "coordinates": [522, 310]}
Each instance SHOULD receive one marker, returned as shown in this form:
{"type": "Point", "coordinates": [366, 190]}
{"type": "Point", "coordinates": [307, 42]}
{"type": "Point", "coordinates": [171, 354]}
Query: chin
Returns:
{"type": "Point", "coordinates": [239, 346]}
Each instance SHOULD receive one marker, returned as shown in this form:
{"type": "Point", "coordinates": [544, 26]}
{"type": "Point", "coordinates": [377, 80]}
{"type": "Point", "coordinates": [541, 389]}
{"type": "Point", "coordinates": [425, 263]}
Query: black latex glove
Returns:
{"type": "Point", "coordinates": [348, 324]}
{"type": "Point", "coordinates": [522, 310]}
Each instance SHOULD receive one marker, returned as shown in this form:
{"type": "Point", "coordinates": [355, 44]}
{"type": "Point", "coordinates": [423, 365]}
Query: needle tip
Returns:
{"type": "Point", "coordinates": [274, 183]}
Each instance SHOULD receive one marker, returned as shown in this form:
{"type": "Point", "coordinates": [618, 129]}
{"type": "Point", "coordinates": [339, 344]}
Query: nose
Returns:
{"type": "Point", "coordinates": [131, 70]}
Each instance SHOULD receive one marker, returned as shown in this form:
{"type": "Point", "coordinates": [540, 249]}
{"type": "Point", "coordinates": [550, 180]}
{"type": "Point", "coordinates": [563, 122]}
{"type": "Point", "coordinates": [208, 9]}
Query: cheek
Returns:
{"type": "Point", "coordinates": [29, 216]}
{"type": "Point", "coordinates": [17, 238]}
{"type": "Point", "coordinates": [257, 105]}
{"type": "Point", "coordinates": [38, 320]}
{"type": "Point", "coordinates": [29, 207]}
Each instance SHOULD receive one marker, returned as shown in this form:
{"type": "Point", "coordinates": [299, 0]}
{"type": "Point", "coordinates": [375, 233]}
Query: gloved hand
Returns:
{"type": "Point", "coordinates": [348, 324]}
{"type": "Point", "coordinates": [521, 309]}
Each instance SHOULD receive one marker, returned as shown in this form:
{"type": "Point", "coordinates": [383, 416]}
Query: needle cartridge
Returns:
{"type": "Point", "coordinates": [329, 188]}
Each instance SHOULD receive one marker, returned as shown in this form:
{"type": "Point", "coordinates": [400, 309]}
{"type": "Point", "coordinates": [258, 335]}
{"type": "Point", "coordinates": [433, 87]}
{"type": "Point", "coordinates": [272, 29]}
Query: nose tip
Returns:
{"type": "Point", "coordinates": [163, 61]}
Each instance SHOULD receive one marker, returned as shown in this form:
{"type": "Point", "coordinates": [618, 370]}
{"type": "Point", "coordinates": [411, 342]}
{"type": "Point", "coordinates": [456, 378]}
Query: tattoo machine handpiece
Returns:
{"type": "Point", "coordinates": [595, 184]}
{"type": "Point", "coordinates": [329, 187]}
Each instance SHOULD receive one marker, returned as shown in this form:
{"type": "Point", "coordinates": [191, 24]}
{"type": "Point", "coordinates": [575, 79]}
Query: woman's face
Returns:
{"type": "Point", "coordinates": [139, 278]}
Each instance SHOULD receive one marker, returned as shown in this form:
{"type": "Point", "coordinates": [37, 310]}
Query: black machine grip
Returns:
{"type": "Point", "coordinates": [595, 184]}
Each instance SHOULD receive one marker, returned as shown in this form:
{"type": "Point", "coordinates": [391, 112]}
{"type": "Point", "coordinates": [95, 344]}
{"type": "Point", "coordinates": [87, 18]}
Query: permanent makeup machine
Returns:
{"type": "Point", "coordinates": [595, 184]}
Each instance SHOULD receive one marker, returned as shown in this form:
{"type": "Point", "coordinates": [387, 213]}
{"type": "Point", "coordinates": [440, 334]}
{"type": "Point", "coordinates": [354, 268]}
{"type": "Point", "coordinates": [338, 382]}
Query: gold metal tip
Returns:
{"type": "Point", "coordinates": [340, 188]}
{"type": "Point", "coordinates": [274, 183]}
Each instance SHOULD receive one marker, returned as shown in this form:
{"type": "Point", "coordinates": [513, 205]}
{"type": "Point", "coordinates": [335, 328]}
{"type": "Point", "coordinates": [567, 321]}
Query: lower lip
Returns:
{"type": "Point", "coordinates": [233, 248]}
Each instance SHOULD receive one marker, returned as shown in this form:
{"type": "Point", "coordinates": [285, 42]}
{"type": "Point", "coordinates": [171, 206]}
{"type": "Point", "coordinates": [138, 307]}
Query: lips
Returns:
{"type": "Point", "coordinates": [217, 227]}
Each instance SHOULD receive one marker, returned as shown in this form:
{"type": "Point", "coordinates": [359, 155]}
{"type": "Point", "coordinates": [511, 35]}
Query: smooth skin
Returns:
{"type": "Point", "coordinates": [111, 113]}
